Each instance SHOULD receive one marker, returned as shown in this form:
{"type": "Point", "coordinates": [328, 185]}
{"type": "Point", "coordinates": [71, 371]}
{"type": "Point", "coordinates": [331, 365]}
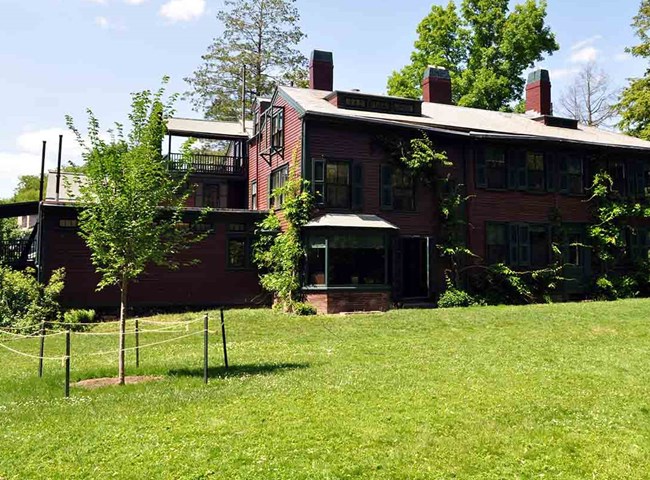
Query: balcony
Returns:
{"type": "Point", "coordinates": [208, 164]}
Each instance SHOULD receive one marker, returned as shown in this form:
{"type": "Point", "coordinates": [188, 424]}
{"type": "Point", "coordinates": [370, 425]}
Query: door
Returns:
{"type": "Point", "coordinates": [415, 271]}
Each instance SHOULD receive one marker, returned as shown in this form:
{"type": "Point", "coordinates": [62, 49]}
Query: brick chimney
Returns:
{"type": "Point", "coordinates": [321, 71]}
{"type": "Point", "coordinates": [436, 85]}
{"type": "Point", "coordinates": [538, 92]}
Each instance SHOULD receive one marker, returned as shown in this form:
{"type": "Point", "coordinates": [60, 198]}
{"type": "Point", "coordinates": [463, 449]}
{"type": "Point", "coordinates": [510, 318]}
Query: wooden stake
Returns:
{"type": "Point", "coordinates": [42, 350]}
{"type": "Point", "coordinates": [205, 348]}
{"type": "Point", "coordinates": [223, 336]}
{"type": "Point", "coordinates": [67, 363]}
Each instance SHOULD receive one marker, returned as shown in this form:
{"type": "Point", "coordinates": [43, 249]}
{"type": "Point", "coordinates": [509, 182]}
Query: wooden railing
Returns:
{"type": "Point", "coordinates": [212, 164]}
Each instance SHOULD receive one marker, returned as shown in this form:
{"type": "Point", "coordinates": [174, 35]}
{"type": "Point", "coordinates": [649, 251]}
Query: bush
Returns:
{"type": "Point", "coordinates": [454, 297]}
{"type": "Point", "coordinates": [614, 287]}
{"type": "Point", "coordinates": [78, 319]}
{"type": "Point", "coordinates": [25, 303]}
{"type": "Point", "coordinates": [305, 309]}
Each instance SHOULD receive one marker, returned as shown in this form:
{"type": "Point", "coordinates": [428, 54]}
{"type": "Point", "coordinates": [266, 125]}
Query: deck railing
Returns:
{"type": "Point", "coordinates": [16, 253]}
{"type": "Point", "coordinates": [204, 163]}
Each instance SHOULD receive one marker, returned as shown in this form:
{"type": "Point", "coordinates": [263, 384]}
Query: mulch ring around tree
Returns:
{"type": "Point", "coordinates": [92, 383]}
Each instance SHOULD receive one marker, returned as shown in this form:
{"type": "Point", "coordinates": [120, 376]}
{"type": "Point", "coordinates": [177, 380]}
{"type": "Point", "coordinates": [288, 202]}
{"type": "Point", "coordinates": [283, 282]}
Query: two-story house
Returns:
{"type": "Point", "coordinates": [373, 237]}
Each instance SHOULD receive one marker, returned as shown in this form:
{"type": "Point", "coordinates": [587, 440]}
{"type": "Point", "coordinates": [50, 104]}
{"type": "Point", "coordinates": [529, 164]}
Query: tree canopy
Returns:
{"type": "Point", "coordinates": [28, 188]}
{"type": "Point", "coordinates": [634, 102]}
{"type": "Point", "coordinates": [261, 35]}
{"type": "Point", "coordinates": [485, 47]}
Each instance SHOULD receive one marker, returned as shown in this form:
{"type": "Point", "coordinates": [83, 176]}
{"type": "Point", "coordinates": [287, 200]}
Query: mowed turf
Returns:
{"type": "Point", "coordinates": [545, 391]}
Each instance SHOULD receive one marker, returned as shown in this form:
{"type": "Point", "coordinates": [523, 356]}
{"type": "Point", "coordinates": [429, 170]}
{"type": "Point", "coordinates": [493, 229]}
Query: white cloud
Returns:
{"type": "Point", "coordinates": [135, 2]}
{"type": "Point", "coordinates": [583, 55]}
{"type": "Point", "coordinates": [102, 22]}
{"type": "Point", "coordinates": [98, 2]}
{"type": "Point", "coordinates": [26, 158]}
{"type": "Point", "coordinates": [586, 42]}
{"type": "Point", "coordinates": [562, 73]}
{"type": "Point", "coordinates": [182, 10]}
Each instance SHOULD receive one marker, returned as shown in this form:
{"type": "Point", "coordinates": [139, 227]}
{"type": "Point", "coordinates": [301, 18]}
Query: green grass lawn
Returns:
{"type": "Point", "coordinates": [553, 391]}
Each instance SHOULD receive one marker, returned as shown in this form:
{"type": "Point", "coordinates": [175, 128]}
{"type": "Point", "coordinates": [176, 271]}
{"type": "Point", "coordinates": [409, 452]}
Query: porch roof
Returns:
{"type": "Point", "coordinates": [350, 220]}
{"type": "Point", "coordinates": [208, 129]}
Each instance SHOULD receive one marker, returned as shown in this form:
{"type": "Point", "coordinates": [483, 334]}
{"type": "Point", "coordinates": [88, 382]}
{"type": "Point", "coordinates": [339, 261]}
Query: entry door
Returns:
{"type": "Point", "coordinates": [415, 271]}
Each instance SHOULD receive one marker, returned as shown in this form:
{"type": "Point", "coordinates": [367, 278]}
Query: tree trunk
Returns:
{"type": "Point", "coordinates": [123, 291]}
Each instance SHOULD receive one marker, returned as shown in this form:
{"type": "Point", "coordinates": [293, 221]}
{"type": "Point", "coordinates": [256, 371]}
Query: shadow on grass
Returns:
{"type": "Point", "coordinates": [239, 370]}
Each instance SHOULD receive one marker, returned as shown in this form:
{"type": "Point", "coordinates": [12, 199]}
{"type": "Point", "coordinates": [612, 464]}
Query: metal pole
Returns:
{"type": "Point", "coordinates": [67, 363]}
{"type": "Point", "coordinates": [243, 99]}
{"type": "Point", "coordinates": [58, 168]}
{"type": "Point", "coordinates": [137, 344]}
{"type": "Point", "coordinates": [205, 348]}
{"type": "Point", "coordinates": [42, 185]}
{"type": "Point", "coordinates": [42, 350]}
{"type": "Point", "coordinates": [223, 336]}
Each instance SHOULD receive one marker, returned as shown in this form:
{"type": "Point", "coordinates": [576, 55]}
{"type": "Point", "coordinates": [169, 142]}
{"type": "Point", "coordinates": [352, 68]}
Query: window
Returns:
{"type": "Point", "coordinates": [616, 170]}
{"type": "Point", "coordinates": [337, 183]}
{"type": "Point", "coordinates": [68, 223]}
{"type": "Point", "coordinates": [639, 178]}
{"type": "Point", "coordinates": [497, 243]}
{"type": "Point", "coordinates": [254, 195]}
{"type": "Point", "coordinates": [277, 128]}
{"type": "Point", "coordinates": [491, 168]}
{"type": "Point", "coordinates": [211, 197]}
{"type": "Point", "coordinates": [237, 252]}
{"type": "Point", "coordinates": [347, 260]}
{"type": "Point", "coordinates": [539, 246]}
{"type": "Point", "coordinates": [571, 174]}
{"type": "Point", "coordinates": [397, 189]}
{"type": "Point", "coordinates": [277, 180]}
{"type": "Point", "coordinates": [519, 245]}
{"type": "Point", "coordinates": [535, 171]}
{"type": "Point", "coordinates": [573, 249]}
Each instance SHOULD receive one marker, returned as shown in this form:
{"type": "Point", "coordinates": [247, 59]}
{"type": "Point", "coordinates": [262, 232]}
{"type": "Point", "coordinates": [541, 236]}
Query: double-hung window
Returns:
{"type": "Point", "coordinates": [495, 168]}
{"type": "Point", "coordinates": [278, 178]}
{"type": "Point", "coordinates": [535, 171]}
{"type": "Point", "coordinates": [254, 195]}
{"type": "Point", "coordinates": [337, 183]}
{"type": "Point", "coordinates": [497, 243]}
{"type": "Point", "coordinates": [397, 189]}
{"type": "Point", "coordinates": [211, 195]}
{"type": "Point", "coordinates": [277, 129]}
{"type": "Point", "coordinates": [571, 174]}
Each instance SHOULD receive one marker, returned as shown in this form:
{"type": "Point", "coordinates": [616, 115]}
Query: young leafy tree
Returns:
{"type": "Point", "coordinates": [589, 99]}
{"type": "Point", "coordinates": [27, 189]}
{"type": "Point", "coordinates": [261, 35]}
{"type": "Point", "coordinates": [131, 206]}
{"type": "Point", "coordinates": [634, 103]}
{"type": "Point", "coordinates": [485, 47]}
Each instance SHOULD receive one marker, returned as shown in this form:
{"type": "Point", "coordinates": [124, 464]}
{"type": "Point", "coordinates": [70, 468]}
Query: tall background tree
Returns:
{"type": "Point", "coordinates": [131, 213]}
{"type": "Point", "coordinates": [634, 102]}
{"type": "Point", "coordinates": [261, 35]}
{"type": "Point", "coordinates": [590, 98]}
{"type": "Point", "coordinates": [485, 47]}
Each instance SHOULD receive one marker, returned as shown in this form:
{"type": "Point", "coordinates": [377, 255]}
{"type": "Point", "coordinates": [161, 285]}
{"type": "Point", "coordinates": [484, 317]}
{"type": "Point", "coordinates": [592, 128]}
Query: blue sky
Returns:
{"type": "Point", "coordinates": [60, 57]}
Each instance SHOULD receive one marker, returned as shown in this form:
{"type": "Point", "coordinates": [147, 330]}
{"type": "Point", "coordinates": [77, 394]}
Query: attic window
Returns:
{"type": "Point", "coordinates": [560, 122]}
{"type": "Point", "coordinates": [376, 103]}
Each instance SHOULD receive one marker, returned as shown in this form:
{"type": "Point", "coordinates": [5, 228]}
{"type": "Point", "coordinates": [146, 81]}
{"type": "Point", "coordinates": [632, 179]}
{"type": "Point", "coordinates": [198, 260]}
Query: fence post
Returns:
{"type": "Point", "coordinates": [42, 350]}
{"type": "Point", "coordinates": [67, 363]}
{"type": "Point", "coordinates": [205, 348]}
{"type": "Point", "coordinates": [223, 336]}
{"type": "Point", "coordinates": [137, 344]}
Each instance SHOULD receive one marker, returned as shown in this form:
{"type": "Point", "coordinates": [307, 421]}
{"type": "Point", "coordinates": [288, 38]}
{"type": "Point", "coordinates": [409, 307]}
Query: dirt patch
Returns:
{"type": "Point", "coordinates": [109, 381]}
{"type": "Point", "coordinates": [603, 331]}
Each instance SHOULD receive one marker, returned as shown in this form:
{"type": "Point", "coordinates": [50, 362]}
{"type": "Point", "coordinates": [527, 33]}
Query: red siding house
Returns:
{"type": "Point", "coordinates": [373, 238]}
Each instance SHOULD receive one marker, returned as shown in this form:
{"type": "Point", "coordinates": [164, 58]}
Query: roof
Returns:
{"type": "Point", "coordinates": [466, 121]}
{"type": "Point", "coordinates": [19, 209]}
{"type": "Point", "coordinates": [350, 220]}
{"type": "Point", "coordinates": [187, 127]}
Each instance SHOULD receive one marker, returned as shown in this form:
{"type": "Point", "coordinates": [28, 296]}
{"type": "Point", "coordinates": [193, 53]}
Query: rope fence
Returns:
{"type": "Point", "coordinates": [169, 328]}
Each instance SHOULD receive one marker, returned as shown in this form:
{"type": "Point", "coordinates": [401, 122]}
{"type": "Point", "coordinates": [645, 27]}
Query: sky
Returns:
{"type": "Point", "coordinates": [60, 57]}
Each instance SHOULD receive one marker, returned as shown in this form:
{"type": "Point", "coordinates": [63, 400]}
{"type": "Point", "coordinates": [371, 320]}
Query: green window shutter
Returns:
{"type": "Point", "coordinates": [513, 244]}
{"type": "Point", "coordinates": [551, 172]}
{"type": "Point", "coordinates": [318, 181]}
{"type": "Point", "coordinates": [524, 245]}
{"type": "Point", "coordinates": [481, 179]}
{"type": "Point", "coordinates": [386, 186]}
{"type": "Point", "coordinates": [522, 170]}
{"type": "Point", "coordinates": [564, 174]}
{"type": "Point", "coordinates": [511, 167]}
{"type": "Point", "coordinates": [357, 185]}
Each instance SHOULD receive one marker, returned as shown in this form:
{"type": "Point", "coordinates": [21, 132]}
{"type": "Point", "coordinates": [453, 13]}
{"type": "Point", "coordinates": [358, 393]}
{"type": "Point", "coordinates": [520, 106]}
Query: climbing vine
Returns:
{"type": "Point", "coordinates": [278, 252]}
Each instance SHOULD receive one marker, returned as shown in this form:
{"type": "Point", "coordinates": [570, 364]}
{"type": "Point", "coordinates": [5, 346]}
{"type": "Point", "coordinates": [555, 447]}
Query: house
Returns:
{"type": "Point", "coordinates": [373, 237]}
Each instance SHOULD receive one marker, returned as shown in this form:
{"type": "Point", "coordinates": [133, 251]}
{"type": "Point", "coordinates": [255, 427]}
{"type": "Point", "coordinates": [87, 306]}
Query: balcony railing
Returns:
{"type": "Point", "coordinates": [211, 164]}
{"type": "Point", "coordinates": [17, 253]}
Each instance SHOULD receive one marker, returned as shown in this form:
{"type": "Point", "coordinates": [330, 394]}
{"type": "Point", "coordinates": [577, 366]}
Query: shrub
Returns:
{"type": "Point", "coordinates": [614, 287]}
{"type": "Point", "coordinates": [25, 303]}
{"type": "Point", "coordinates": [305, 309]}
{"type": "Point", "coordinates": [454, 297]}
{"type": "Point", "coordinates": [78, 319]}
